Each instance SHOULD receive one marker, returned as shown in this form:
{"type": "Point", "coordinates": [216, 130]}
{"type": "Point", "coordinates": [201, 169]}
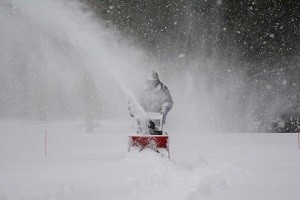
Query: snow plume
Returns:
{"type": "Point", "coordinates": [208, 98]}
{"type": "Point", "coordinates": [56, 60]}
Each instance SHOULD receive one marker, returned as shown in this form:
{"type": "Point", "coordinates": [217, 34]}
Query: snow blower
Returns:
{"type": "Point", "coordinates": [149, 134]}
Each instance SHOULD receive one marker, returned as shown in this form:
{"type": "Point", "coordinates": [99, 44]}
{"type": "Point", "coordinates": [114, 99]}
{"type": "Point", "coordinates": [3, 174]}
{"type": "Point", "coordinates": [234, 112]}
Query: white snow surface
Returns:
{"type": "Point", "coordinates": [84, 166]}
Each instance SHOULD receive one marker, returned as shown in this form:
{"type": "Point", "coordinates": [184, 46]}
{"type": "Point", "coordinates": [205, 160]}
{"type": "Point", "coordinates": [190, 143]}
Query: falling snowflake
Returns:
{"type": "Point", "coordinates": [284, 82]}
{"type": "Point", "coordinates": [181, 55]}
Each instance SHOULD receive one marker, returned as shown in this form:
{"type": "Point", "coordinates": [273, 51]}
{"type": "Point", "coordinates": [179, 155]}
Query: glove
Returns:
{"type": "Point", "coordinates": [164, 111]}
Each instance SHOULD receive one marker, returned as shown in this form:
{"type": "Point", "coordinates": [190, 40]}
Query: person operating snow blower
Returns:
{"type": "Point", "coordinates": [156, 98]}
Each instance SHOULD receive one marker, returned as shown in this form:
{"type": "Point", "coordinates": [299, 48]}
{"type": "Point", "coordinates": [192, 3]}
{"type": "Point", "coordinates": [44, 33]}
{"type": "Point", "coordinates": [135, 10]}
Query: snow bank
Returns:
{"type": "Point", "coordinates": [97, 166]}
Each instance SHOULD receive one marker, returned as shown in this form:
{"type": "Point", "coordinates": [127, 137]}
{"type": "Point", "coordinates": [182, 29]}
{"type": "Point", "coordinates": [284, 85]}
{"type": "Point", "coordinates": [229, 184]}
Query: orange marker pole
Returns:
{"type": "Point", "coordinates": [46, 138]}
{"type": "Point", "coordinates": [46, 135]}
{"type": "Point", "coordinates": [298, 140]}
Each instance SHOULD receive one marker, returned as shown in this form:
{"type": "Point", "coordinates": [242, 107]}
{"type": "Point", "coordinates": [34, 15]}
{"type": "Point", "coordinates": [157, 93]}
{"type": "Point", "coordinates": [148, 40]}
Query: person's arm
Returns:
{"type": "Point", "coordinates": [167, 100]}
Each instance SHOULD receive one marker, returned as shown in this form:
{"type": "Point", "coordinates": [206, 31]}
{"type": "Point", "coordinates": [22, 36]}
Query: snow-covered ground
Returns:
{"type": "Point", "coordinates": [85, 166]}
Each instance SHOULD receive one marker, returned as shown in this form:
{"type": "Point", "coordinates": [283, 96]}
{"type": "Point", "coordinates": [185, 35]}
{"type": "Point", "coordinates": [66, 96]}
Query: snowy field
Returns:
{"type": "Point", "coordinates": [84, 166]}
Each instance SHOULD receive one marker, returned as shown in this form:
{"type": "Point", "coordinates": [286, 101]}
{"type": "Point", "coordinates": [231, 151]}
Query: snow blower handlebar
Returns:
{"type": "Point", "coordinates": [142, 122]}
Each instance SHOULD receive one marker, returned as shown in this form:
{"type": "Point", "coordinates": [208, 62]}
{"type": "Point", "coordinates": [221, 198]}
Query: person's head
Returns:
{"type": "Point", "coordinates": [152, 79]}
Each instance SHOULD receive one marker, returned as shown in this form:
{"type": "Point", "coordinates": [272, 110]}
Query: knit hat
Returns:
{"type": "Point", "coordinates": [153, 76]}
